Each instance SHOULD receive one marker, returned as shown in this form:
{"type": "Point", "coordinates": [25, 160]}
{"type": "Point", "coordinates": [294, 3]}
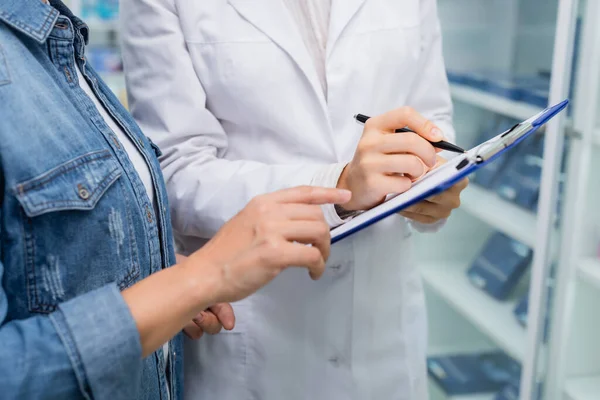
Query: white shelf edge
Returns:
{"type": "Point", "coordinates": [492, 102]}
{"type": "Point", "coordinates": [492, 317]}
{"type": "Point", "coordinates": [508, 218]}
{"type": "Point", "coordinates": [583, 388]}
{"type": "Point", "coordinates": [436, 393]}
{"type": "Point", "coordinates": [589, 271]}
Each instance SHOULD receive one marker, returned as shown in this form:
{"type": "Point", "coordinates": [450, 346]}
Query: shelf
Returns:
{"type": "Point", "coordinates": [494, 318]}
{"type": "Point", "coordinates": [589, 271]}
{"type": "Point", "coordinates": [586, 388]}
{"type": "Point", "coordinates": [511, 108]}
{"type": "Point", "coordinates": [436, 393]}
{"type": "Point", "coordinates": [503, 215]}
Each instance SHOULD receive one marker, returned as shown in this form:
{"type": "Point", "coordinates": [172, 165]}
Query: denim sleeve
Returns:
{"type": "Point", "coordinates": [88, 348]}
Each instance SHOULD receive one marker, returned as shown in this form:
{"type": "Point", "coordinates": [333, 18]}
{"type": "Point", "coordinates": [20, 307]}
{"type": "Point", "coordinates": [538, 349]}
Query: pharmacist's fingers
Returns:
{"type": "Point", "coordinates": [193, 331]}
{"type": "Point", "coordinates": [406, 117]}
{"type": "Point", "coordinates": [423, 219]}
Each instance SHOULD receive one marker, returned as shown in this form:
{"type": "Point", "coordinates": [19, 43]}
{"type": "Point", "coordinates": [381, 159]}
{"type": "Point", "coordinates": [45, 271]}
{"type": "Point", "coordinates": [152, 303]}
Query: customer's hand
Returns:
{"type": "Point", "coordinates": [273, 232]}
{"type": "Point", "coordinates": [387, 162]}
{"type": "Point", "coordinates": [437, 207]}
{"type": "Point", "coordinates": [211, 321]}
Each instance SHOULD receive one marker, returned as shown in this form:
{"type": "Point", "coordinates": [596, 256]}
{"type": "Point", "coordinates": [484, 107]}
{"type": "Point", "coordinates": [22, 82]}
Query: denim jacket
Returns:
{"type": "Point", "coordinates": [76, 224]}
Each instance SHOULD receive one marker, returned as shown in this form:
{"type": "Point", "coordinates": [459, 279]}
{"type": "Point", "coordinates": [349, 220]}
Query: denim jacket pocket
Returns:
{"type": "Point", "coordinates": [65, 211]}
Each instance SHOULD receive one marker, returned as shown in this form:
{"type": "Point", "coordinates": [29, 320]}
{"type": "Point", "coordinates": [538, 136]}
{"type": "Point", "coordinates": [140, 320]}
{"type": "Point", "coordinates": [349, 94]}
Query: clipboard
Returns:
{"type": "Point", "coordinates": [445, 176]}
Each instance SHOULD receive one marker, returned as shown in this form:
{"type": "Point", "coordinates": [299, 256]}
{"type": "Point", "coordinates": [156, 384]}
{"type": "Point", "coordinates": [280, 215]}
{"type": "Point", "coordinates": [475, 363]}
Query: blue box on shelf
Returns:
{"type": "Point", "coordinates": [508, 392]}
{"type": "Point", "coordinates": [456, 77]}
{"type": "Point", "coordinates": [503, 84]}
{"type": "Point", "coordinates": [500, 265]}
{"type": "Point", "coordinates": [520, 180]}
{"type": "Point", "coordinates": [461, 374]}
{"type": "Point", "coordinates": [512, 391]}
{"type": "Point", "coordinates": [476, 79]}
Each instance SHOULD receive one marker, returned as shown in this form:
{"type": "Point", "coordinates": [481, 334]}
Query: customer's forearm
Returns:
{"type": "Point", "coordinates": [165, 302]}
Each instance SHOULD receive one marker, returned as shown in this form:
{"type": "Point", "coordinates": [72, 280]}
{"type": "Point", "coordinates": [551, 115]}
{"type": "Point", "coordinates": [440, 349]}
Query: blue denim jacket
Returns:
{"type": "Point", "coordinates": [76, 224]}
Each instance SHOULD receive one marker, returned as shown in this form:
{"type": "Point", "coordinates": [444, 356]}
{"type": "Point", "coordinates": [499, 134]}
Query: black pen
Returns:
{"type": "Point", "coordinates": [440, 145]}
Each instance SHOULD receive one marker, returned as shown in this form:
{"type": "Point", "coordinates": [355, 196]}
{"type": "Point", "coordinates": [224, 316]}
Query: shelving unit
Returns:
{"type": "Point", "coordinates": [584, 388]}
{"type": "Point", "coordinates": [528, 37]}
{"type": "Point", "coordinates": [508, 218]}
{"type": "Point", "coordinates": [492, 317]}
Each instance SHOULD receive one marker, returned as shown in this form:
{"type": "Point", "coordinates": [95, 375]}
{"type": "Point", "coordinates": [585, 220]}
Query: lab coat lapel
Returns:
{"type": "Point", "coordinates": [274, 20]}
{"type": "Point", "coordinates": [342, 12]}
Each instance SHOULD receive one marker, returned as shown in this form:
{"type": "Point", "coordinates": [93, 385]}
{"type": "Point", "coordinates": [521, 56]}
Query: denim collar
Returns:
{"type": "Point", "coordinates": [36, 19]}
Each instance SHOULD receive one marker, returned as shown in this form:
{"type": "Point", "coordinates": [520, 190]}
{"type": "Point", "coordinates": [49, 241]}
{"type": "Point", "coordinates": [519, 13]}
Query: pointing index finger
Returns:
{"type": "Point", "coordinates": [312, 195]}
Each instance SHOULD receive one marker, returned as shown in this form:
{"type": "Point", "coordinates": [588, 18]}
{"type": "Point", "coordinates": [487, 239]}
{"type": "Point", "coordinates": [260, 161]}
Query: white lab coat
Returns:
{"type": "Point", "coordinates": [229, 92]}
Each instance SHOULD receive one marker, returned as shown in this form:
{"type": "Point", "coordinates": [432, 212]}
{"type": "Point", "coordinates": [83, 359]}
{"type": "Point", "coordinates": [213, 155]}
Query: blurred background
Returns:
{"type": "Point", "coordinates": [103, 52]}
{"type": "Point", "coordinates": [513, 281]}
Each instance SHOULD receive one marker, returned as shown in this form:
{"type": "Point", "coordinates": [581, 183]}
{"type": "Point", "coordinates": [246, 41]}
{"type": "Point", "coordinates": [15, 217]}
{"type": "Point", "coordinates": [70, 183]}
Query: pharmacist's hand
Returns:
{"type": "Point", "coordinates": [211, 321]}
{"type": "Point", "coordinates": [437, 207]}
{"type": "Point", "coordinates": [387, 162]}
{"type": "Point", "coordinates": [274, 231]}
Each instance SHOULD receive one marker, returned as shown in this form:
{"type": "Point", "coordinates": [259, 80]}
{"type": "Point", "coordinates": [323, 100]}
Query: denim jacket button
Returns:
{"type": "Point", "coordinates": [83, 192]}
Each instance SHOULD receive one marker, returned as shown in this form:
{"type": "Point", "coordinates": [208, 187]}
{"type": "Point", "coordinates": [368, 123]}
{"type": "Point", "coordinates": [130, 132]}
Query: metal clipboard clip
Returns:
{"type": "Point", "coordinates": [489, 150]}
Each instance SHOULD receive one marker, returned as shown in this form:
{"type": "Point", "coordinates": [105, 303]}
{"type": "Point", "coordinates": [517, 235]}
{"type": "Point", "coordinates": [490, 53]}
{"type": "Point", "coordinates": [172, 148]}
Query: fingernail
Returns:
{"type": "Point", "coordinates": [199, 318]}
{"type": "Point", "coordinates": [437, 134]}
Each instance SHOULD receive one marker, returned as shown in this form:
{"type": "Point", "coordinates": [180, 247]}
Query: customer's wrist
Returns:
{"type": "Point", "coordinates": [201, 281]}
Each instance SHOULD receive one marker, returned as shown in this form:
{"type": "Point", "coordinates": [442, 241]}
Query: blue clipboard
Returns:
{"type": "Point", "coordinates": [449, 174]}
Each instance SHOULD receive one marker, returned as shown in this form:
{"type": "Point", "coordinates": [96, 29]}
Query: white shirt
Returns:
{"type": "Point", "coordinates": [132, 152]}
{"type": "Point", "coordinates": [312, 18]}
